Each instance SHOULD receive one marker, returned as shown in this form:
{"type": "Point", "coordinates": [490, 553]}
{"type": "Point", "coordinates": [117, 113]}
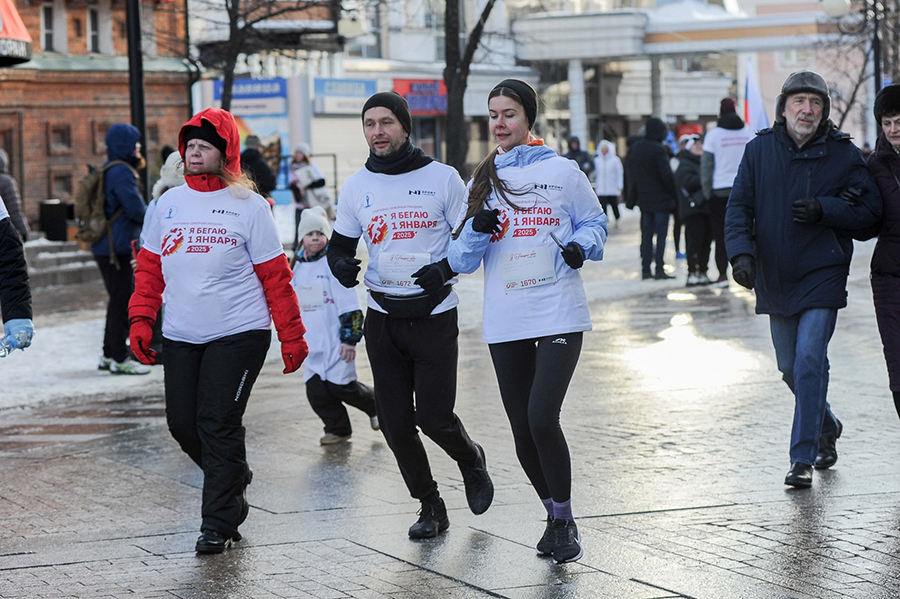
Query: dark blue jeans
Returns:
{"type": "Point", "coordinates": [801, 350]}
{"type": "Point", "coordinates": [653, 223]}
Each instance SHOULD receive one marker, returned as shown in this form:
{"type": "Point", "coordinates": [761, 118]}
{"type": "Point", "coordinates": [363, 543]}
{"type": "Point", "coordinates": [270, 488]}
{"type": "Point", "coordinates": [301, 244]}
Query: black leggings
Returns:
{"type": "Point", "coordinates": [534, 375]}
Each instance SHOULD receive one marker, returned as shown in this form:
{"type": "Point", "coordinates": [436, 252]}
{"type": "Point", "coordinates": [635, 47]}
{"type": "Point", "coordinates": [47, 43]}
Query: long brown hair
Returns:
{"type": "Point", "coordinates": [485, 178]}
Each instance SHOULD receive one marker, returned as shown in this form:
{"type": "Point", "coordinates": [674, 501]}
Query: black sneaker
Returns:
{"type": "Point", "coordinates": [479, 488]}
{"type": "Point", "coordinates": [548, 542]}
{"type": "Point", "coordinates": [568, 541]}
{"type": "Point", "coordinates": [432, 521]}
{"type": "Point", "coordinates": [212, 541]}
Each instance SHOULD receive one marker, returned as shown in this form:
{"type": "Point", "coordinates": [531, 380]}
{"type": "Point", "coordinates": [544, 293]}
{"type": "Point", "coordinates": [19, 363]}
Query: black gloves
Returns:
{"type": "Point", "coordinates": [345, 270]}
{"type": "Point", "coordinates": [341, 259]}
{"type": "Point", "coordinates": [851, 195]}
{"type": "Point", "coordinates": [433, 276]}
{"type": "Point", "coordinates": [573, 254]}
{"type": "Point", "coordinates": [807, 211]}
{"type": "Point", "coordinates": [743, 269]}
{"type": "Point", "coordinates": [487, 221]}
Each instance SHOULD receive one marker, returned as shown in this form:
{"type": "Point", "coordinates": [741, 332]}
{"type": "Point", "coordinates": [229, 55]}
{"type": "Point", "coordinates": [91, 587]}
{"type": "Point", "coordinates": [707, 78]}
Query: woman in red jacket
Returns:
{"type": "Point", "coordinates": [212, 250]}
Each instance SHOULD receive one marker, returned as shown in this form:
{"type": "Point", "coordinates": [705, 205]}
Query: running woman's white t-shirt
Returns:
{"type": "Point", "coordinates": [529, 290]}
{"type": "Point", "coordinates": [208, 243]}
{"type": "Point", "coordinates": [406, 221]}
{"type": "Point", "coordinates": [322, 301]}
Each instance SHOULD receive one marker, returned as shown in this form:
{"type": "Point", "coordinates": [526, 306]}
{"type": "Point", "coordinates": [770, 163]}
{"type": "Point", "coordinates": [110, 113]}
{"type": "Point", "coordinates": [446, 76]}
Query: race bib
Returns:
{"type": "Point", "coordinates": [529, 268]}
{"type": "Point", "coordinates": [311, 297]}
{"type": "Point", "coordinates": [395, 269]}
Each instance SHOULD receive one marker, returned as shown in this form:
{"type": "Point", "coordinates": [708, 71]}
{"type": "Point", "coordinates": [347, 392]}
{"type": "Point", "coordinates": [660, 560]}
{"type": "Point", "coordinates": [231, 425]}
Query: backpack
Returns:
{"type": "Point", "coordinates": [90, 208]}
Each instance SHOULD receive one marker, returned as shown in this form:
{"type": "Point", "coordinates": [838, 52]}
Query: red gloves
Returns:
{"type": "Point", "coordinates": [293, 353]}
{"type": "Point", "coordinates": [140, 336]}
{"type": "Point", "coordinates": [275, 276]}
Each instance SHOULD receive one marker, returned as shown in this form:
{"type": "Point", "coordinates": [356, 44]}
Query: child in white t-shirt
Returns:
{"type": "Point", "coordinates": [334, 325]}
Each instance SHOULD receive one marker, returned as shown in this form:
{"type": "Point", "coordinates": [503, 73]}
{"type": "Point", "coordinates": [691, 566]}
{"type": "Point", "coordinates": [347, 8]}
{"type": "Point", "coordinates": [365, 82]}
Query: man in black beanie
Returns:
{"type": "Point", "coordinates": [405, 204]}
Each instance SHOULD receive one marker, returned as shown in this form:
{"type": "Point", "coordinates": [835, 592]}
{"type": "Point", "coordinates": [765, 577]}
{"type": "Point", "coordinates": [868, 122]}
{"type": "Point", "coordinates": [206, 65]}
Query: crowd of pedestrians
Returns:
{"type": "Point", "coordinates": [781, 206]}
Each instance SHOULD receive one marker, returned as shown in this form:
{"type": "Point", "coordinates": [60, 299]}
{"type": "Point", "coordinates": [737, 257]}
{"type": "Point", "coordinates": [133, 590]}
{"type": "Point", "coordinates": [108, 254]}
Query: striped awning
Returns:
{"type": "Point", "coordinates": [15, 42]}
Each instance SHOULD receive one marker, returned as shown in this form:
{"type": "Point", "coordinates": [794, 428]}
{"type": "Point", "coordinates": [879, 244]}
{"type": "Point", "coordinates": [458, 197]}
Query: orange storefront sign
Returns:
{"type": "Point", "coordinates": [15, 42]}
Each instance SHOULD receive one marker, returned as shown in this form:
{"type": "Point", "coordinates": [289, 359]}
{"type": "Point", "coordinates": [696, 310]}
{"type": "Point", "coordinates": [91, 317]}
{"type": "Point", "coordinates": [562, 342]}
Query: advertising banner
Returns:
{"type": "Point", "coordinates": [425, 96]}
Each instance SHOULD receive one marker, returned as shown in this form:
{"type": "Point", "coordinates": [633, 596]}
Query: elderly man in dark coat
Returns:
{"type": "Point", "coordinates": [650, 185]}
{"type": "Point", "coordinates": [801, 188]}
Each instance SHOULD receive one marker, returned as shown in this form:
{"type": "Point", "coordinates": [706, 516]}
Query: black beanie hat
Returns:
{"type": "Point", "coordinates": [887, 102]}
{"type": "Point", "coordinates": [207, 132]}
{"type": "Point", "coordinates": [524, 91]}
{"type": "Point", "coordinates": [393, 102]}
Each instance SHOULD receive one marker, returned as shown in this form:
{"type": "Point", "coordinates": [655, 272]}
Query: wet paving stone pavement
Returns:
{"type": "Point", "coordinates": [678, 425]}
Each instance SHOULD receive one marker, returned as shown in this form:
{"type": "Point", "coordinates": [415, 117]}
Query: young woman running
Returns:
{"type": "Point", "coordinates": [213, 246]}
{"type": "Point", "coordinates": [533, 218]}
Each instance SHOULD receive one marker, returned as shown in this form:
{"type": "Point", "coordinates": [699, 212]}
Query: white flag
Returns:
{"type": "Point", "coordinates": [754, 109]}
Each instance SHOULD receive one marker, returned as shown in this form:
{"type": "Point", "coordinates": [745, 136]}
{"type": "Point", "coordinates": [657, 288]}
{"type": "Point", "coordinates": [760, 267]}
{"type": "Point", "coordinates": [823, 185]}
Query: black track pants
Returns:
{"type": "Point", "coordinates": [534, 375]}
{"type": "Point", "coordinates": [119, 284]}
{"type": "Point", "coordinates": [417, 357]}
{"type": "Point", "coordinates": [327, 400]}
{"type": "Point", "coordinates": [207, 388]}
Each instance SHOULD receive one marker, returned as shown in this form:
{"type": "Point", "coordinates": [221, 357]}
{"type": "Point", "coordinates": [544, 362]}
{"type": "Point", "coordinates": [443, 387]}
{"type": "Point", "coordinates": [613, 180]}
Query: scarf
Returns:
{"type": "Point", "coordinates": [407, 159]}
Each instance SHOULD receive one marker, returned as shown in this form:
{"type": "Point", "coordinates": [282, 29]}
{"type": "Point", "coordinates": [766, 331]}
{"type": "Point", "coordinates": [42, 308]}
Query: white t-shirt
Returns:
{"type": "Point", "coordinates": [727, 147]}
{"type": "Point", "coordinates": [4, 213]}
{"type": "Point", "coordinates": [208, 243]}
{"type": "Point", "coordinates": [406, 221]}
{"type": "Point", "coordinates": [541, 295]}
{"type": "Point", "coordinates": [322, 300]}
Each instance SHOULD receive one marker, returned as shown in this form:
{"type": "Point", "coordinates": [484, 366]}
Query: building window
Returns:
{"type": "Point", "coordinates": [47, 28]}
{"type": "Point", "coordinates": [93, 41]}
{"type": "Point", "coordinates": [77, 27]}
{"type": "Point", "coordinates": [100, 129]}
{"type": "Point", "coordinates": [59, 138]}
{"type": "Point", "coordinates": [60, 184]}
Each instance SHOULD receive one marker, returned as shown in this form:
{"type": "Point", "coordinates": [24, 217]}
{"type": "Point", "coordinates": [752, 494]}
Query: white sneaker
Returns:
{"type": "Point", "coordinates": [373, 420]}
{"type": "Point", "coordinates": [692, 280]}
{"type": "Point", "coordinates": [104, 363]}
{"type": "Point", "coordinates": [129, 366]}
{"type": "Point", "coordinates": [703, 279]}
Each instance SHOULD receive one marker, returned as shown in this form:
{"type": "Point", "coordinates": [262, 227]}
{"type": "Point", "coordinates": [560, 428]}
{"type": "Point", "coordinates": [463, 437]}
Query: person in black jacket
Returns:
{"type": "Point", "coordinates": [15, 294]}
{"type": "Point", "coordinates": [801, 188]}
{"type": "Point", "coordinates": [9, 191]}
{"type": "Point", "coordinates": [694, 211]}
{"type": "Point", "coordinates": [884, 163]}
{"type": "Point", "coordinates": [650, 185]}
{"type": "Point", "coordinates": [253, 163]}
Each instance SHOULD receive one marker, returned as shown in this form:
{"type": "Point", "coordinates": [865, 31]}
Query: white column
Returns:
{"type": "Point", "coordinates": [577, 110]}
{"type": "Point", "coordinates": [656, 98]}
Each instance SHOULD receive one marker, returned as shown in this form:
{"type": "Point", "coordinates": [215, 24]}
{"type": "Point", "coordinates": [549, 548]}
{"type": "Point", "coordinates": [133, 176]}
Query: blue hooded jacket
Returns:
{"type": "Point", "coordinates": [122, 190]}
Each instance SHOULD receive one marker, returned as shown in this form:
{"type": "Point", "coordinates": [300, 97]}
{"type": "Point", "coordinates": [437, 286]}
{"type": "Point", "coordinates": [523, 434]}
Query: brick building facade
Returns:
{"type": "Point", "coordinates": [56, 108]}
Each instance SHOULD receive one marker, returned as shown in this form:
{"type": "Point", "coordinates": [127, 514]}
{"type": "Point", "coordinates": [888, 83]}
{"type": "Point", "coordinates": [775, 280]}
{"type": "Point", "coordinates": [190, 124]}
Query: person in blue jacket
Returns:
{"type": "Point", "coordinates": [801, 188]}
{"type": "Point", "coordinates": [123, 196]}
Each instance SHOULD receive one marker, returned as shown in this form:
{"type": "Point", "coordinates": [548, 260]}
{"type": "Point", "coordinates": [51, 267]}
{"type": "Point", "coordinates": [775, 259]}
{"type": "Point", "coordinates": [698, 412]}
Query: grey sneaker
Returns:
{"type": "Point", "coordinates": [129, 366]}
{"type": "Point", "coordinates": [332, 439]}
{"type": "Point", "coordinates": [104, 363]}
{"type": "Point", "coordinates": [548, 541]}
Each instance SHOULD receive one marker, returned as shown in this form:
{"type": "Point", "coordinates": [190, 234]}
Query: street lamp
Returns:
{"type": "Point", "coordinates": [873, 11]}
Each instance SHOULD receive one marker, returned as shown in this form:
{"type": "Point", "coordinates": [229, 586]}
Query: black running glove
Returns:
{"type": "Point", "coordinates": [433, 276]}
{"type": "Point", "coordinates": [573, 254]}
{"type": "Point", "coordinates": [487, 221]}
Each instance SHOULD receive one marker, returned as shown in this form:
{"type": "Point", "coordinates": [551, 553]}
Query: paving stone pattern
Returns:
{"type": "Point", "coordinates": [678, 426]}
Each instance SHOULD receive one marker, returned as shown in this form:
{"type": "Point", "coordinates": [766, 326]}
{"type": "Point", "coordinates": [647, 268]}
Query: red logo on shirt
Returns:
{"type": "Point", "coordinates": [525, 233]}
{"type": "Point", "coordinates": [504, 227]}
{"type": "Point", "coordinates": [172, 241]}
{"type": "Point", "coordinates": [404, 235]}
{"type": "Point", "coordinates": [198, 249]}
{"type": "Point", "coordinates": [377, 230]}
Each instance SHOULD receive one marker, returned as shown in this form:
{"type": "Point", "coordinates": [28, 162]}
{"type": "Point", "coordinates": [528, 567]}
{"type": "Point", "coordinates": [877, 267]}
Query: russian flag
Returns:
{"type": "Point", "coordinates": [754, 109]}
